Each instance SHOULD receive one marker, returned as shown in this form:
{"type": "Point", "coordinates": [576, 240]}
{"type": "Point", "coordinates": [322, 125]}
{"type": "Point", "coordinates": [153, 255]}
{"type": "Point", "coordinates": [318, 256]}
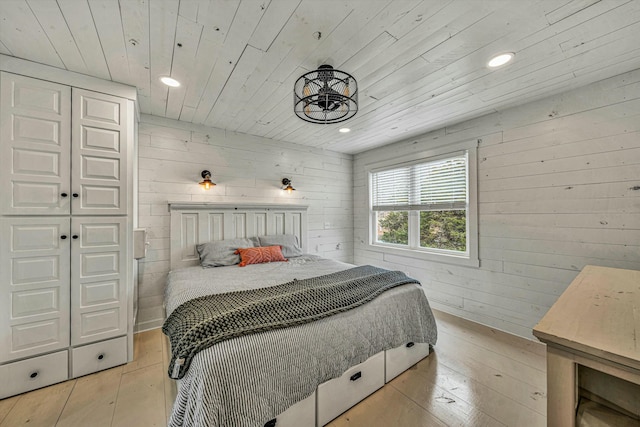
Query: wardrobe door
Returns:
{"type": "Point", "coordinates": [98, 278]}
{"type": "Point", "coordinates": [34, 146]}
{"type": "Point", "coordinates": [34, 287]}
{"type": "Point", "coordinates": [99, 154]}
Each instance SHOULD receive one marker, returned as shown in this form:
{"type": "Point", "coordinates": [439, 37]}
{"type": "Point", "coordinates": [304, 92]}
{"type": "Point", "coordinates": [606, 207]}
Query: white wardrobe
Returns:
{"type": "Point", "coordinates": [66, 206]}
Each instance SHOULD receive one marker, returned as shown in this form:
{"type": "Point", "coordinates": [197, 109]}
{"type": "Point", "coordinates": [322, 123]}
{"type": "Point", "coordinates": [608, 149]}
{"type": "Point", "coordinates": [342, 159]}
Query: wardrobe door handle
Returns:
{"type": "Point", "coordinates": [76, 195]}
{"type": "Point", "coordinates": [63, 194]}
{"type": "Point", "coordinates": [75, 236]}
{"type": "Point", "coordinates": [64, 236]}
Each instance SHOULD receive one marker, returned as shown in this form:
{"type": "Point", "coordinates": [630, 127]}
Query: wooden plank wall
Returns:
{"type": "Point", "coordinates": [246, 169]}
{"type": "Point", "coordinates": [559, 188]}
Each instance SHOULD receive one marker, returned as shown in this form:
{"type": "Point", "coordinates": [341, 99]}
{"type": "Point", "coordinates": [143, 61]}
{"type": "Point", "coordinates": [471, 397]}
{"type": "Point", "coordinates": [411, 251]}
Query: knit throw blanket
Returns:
{"type": "Point", "coordinates": [205, 321]}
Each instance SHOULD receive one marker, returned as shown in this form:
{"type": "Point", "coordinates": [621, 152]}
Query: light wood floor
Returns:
{"type": "Point", "coordinates": [477, 376]}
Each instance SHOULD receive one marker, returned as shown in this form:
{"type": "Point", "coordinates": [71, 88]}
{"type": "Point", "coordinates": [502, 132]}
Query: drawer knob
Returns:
{"type": "Point", "coordinates": [410, 344]}
{"type": "Point", "coordinates": [75, 195]}
{"type": "Point", "coordinates": [33, 374]}
{"type": "Point", "coordinates": [271, 423]}
{"type": "Point", "coordinates": [101, 356]}
{"type": "Point", "coordinates": [63, 195]}
{"type": "Point", "coordinates": [64, 236]}
{"type": "Point", "coordinates": [75, 236]}
{"type": "Point", "coordinates": [356, 376]}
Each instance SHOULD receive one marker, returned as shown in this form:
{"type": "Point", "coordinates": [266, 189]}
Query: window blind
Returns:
{"type": "Point", "coordinates": [436, 185]}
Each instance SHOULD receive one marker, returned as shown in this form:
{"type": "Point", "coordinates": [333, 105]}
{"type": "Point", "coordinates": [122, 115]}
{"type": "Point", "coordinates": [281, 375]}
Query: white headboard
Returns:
{"type": "Point", "coordinates": [193, 223]}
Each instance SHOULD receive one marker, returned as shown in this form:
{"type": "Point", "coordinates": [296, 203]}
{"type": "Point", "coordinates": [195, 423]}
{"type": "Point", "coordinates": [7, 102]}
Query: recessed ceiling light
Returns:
{"type": "Point", "coordinates": [501, 59]}
{"type": "Point", "coordinates": [169, 81]}
{"type": "Point", "coordinates": [344, 130]}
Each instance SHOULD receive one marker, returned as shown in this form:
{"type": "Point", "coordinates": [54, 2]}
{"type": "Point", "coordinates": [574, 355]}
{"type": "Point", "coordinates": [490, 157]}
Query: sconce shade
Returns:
{"type": "Point", "coordinates": [325, 96]}
{"type": "Point", "coordinates": [286, 185]}
{"type": "Point", "coordinates": [206, 180]}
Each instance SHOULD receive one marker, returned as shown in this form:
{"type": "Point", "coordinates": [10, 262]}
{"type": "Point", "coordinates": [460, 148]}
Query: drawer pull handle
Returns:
{"type": "Point", "coordinates": [75, 195]}
{"type": "Point", "coordinates": [271, 423]}
{"type": "Point", "coordinates": [63, 195]}
{"type": "Point", "coordinates": [64, 236]}
{"type": "Point", "coordinates": [100, 356]}
{"type": "Point", "coordinates": [33, 374]}
{"type": "Point", "coordinates": [356, 376]}
{"type": "Point", "coordinates": [410, 344]}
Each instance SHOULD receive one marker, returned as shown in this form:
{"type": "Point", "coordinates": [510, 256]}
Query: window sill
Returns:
{"type": "Point", "coordinates": [426, 256]}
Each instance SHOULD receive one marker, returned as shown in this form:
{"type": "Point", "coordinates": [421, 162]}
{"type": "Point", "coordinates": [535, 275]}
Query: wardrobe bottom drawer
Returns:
{"type": "Point", "coordinates": [339, 394]}
{"type": "Point", "coordinates": [96, 357]}
{"type": "Point", "coordinates": [301, 414]}
{"type": "Point", "coordinates": [33, 373]}
{"type": "Point", "coordinates": [401, 358]}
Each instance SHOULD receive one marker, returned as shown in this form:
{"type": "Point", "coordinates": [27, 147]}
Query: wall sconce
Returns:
{"type": "Point", "coordinates": [286, 185]}
{"type": "Point", "coordinates": [206, 180]}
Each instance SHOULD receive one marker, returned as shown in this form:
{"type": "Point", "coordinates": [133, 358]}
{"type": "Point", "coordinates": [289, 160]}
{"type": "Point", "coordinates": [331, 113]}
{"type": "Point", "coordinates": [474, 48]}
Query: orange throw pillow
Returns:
{"type": "Point", "coordinates": [259, 255]}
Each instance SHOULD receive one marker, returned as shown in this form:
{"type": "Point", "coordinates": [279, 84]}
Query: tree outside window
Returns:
{"type": "Point", "coordinates": [444, 230]}
{"type": "Point", "coordinates": [393, 227]}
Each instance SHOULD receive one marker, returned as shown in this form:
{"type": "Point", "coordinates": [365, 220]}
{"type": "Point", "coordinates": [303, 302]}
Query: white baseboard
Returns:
{"type": "Point", "coordinates": [148, 325]}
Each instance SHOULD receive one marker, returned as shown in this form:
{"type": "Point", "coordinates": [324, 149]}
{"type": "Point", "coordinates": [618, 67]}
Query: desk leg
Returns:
{"type": "Point", "coordinates": [561, 389]}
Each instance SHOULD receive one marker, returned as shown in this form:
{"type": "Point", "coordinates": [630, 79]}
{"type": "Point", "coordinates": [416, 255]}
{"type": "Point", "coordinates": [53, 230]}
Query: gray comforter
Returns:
{"type": "Point", "coordinates": [249, 380]}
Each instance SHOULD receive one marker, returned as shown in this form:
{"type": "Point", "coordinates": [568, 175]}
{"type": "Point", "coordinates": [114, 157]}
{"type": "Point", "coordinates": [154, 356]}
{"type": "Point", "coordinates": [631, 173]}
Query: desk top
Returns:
{"type": "Point", "coordinates": [598, 314]}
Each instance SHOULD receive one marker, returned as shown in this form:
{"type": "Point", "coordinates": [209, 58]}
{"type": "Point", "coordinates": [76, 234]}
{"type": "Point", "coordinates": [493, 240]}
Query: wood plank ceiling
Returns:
{"type": "Point", "coordinates": [420, 65]}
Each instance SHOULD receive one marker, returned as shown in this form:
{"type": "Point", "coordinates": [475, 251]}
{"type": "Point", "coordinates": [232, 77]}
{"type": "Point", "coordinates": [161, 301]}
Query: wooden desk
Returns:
{"type": "Point", "coordinates": [595, 323]}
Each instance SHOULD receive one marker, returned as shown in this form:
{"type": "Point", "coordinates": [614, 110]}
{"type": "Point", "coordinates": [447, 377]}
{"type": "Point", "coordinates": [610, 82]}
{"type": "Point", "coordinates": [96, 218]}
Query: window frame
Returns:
{"type": "Point", "coordinates": [413, 249]}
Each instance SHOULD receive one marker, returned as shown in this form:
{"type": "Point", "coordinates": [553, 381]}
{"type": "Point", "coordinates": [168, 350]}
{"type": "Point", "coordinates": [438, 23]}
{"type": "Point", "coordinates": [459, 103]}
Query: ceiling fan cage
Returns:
{"type": "Point", "coordinates": [325, 96]}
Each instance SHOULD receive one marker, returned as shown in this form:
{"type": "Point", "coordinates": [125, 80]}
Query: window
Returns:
{"type": "Point", "coordinates": [424, 207]}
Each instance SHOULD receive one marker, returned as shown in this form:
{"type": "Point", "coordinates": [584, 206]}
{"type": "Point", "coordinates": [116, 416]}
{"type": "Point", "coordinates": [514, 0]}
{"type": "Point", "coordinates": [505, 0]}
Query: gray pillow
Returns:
{"type": "Point", "coordinates": [220, 253]}
{"type": "Point", "coordinates": [289, 242]}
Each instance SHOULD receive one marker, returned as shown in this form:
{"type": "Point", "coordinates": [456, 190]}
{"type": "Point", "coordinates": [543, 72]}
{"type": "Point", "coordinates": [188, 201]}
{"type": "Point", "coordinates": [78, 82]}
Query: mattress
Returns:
{"type": "Point", "coordinates": [249, 380]}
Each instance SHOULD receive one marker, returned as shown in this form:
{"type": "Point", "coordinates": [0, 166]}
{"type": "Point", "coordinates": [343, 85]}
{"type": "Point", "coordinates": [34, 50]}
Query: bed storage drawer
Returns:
{"type": "Point", "coordinates": [33, 373]}
{"type": "Point", "coordinates": [301, 414]}
{"type": "Point", "coordinates": [399, 359]}
{"type": "Point", "coordinates": [96, 357]}
{"type": "Point", "coordinates": [339, 394]}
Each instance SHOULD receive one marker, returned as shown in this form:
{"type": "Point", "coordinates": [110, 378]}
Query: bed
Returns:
{"type": "Point", "coordinates": [303, 375]}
